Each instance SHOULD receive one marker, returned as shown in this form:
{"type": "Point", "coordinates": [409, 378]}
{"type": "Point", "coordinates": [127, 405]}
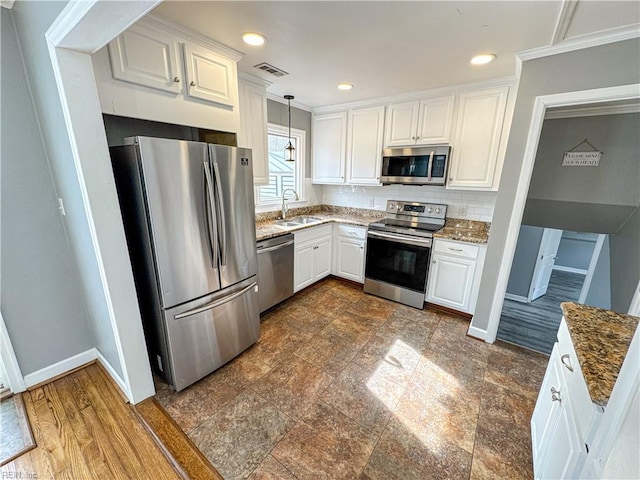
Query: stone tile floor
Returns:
{"type": "Point", "coordinates": [344, 385]}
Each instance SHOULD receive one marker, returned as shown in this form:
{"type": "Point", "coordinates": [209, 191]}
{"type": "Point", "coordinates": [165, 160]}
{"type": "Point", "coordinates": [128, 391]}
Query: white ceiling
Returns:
{"type": "Point", "coordinates": [387, 47]}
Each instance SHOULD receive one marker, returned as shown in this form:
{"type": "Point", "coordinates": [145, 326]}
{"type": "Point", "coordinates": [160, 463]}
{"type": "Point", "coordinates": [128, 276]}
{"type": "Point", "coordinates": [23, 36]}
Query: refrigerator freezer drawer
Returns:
{"type": "Point", "coordinates": [204, 335]}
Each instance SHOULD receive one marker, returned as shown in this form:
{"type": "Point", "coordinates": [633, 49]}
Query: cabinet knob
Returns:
{"type": "Point", "coordinates": [555, 395]}
{"type": "Point", "coordinates": [176, 79]}
{"type": "Point", "coordinates": [413, 138]}
{"type": "Point", "coordinates": [433, 261]}
{"type": "Point", "coordinates": [361, 247]}
{"type": "Point", "coordinates": [193, 84]}
{"type": "Point", "coordinates": [417, 138]}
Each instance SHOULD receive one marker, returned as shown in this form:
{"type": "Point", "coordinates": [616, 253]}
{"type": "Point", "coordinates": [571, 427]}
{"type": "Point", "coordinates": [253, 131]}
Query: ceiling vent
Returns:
{"type": "Point", "coordinates": [275, 71]}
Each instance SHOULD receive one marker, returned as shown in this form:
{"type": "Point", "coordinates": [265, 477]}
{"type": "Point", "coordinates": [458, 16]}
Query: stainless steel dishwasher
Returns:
{"type": "Point", "coordinates": [275, 270]}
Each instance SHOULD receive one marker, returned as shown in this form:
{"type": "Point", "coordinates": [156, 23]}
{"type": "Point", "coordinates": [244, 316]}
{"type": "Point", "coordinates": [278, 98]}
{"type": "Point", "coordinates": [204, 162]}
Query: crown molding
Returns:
{"type": "Point", "coordinates": [567, 10]}
{"type": "Point", "coordinates": [612, 35]}
{"type": "Point", "coordinates": [592, 111]}
{"type": "Point", "coordinates": [421, 95]}
{"type": "Point", "coordinates": [192, 36]}
{"type": "Point", "coordinates": [279, 99]}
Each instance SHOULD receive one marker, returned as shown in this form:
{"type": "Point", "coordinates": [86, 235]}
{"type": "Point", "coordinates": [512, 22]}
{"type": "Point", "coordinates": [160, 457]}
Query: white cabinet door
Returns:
{"type": "Point", "coordinates": [329, 147]}
{"type": "Point", "coordinates": [303, 267]}
{"type": "Point", "coordinates": [546, 411]}
{"type": "Point", "coordinates": [253, 128]}
{"type": "Point", "coordinates": [322, 258]}
{"type": "Point", "coordinates": [210, 76]}
{"type": "Point", "coordinates": [451, 281]}
{"type": "Point", "coordinates": [476, 140]}
{"type": "Point", "coordinates": [350, 259]}
{"type": "Point", "coordinates": [400, 124]}
{"type": "Point", "coordinates": [565, 454]}
{"type": "Point", "coordinates": [146, 56]}
{"type": "Point", "coordinates": [364, 145]}
{"type": "Point", "coordinates": [434, 120]}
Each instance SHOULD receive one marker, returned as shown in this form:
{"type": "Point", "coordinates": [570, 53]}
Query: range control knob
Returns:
{"type": "Point", "coordinates": [430, 210]}
{"type": "Point", "coordinates": [438, 210]}
{"type": "Point", "coordinates": [392, 206]}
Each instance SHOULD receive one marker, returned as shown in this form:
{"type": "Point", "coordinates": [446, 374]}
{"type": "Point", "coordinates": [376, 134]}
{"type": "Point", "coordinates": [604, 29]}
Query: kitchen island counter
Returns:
{"type": "Point", "coordinates": [601, 339]}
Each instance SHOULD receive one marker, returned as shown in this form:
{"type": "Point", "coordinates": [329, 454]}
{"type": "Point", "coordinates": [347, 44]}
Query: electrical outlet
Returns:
{"type": "Point", "coordinates": [372, 202]}
{"type": "Point", "coordinates": [462, 210]}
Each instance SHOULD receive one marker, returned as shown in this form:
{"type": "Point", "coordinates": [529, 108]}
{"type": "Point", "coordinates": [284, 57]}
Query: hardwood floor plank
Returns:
{"type": "Point", "coordinates": [84, 431]}
{"type": "Point", "coordinates": [123, 415]}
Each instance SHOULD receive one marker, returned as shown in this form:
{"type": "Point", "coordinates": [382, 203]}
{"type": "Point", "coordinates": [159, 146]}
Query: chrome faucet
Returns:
{"type": "Point", "coordinates": [284, 205]}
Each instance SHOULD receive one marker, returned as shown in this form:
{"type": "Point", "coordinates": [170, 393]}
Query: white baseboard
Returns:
{"type": "Point", "coordinates": [112, 373]}
{"type": "Point", "coordinates": [477, 333]}
{"type": "Point", "coordinates": [570, 269]}
{"type": "Point", "coordinates": [516, 298]}
{"type": "Point", "coordinates": [59, 368]}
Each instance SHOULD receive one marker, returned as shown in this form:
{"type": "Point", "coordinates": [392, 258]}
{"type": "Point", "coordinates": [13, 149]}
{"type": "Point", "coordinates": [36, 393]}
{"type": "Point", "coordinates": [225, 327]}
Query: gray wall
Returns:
{"type": "Point", "coordinates": [278, 114]}
{"type": "Point", "coordinates": [32, 21]}
{"type": "Point", "coordinates": [625, 263]}
{"type": "Point", "coordinates": [602, 66]}
{"type": "Point", "coordinates": [576, 249]}
{"type": "Point", "coordinates": [599, 294]}
{"type": "Point", "coordinates": [614, 182]}
{"type": "Point", "coordinates": [524, 260]}
{"type": "Point", "coordinates": [42, 300]}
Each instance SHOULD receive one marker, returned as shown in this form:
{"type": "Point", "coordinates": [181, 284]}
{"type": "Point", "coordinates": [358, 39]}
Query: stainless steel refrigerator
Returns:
{"type": "Point", "coordinates": [188, 212]}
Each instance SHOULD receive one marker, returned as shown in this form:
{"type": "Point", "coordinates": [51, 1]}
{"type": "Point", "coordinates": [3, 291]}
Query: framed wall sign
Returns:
{"type": "Point", "coordinates": [574, 158]}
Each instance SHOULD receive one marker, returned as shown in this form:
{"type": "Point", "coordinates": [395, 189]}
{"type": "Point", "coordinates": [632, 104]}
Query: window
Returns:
{"type": "Point", "coordinates": [282, 174]}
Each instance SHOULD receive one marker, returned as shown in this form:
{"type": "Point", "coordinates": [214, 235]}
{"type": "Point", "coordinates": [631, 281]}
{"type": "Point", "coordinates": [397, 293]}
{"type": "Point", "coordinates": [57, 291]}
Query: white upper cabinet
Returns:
{"type": "Point", "coordinates": [364, 145]}
{"type": "Point", "coordinates": [161, 71]}
{"type": "Point", "coordinates": [210, 76]}
{"type": "Point", "coordinates": [146, 55]}
{"type": "Point", "coordinates": [253, 128]}
{"type": "Point", "coordinates": [423, 122]}
{"type": "Point", "coordinates": [329, 147]}
{"type": "Point", "coordinates": [476, 142]}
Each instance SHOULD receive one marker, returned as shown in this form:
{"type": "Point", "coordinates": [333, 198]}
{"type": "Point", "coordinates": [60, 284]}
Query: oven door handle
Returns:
{"type": "Point", "coordinates": [426, 242]}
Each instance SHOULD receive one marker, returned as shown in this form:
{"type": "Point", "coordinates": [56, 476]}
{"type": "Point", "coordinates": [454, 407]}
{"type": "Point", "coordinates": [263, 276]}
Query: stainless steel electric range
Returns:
{"type": "Point", "coordinates": [399, 250]}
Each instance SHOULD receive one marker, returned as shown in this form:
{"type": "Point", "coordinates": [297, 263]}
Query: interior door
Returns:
{"type": "Point", "coordinates": [547, 255]}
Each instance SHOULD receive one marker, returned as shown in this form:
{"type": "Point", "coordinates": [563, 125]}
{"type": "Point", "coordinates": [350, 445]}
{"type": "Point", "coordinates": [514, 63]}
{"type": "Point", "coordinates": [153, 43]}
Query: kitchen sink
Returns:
{"type": "Point", "coordinates": [297, 221]}
{"type": "Point", "coordinates": [305, 220]}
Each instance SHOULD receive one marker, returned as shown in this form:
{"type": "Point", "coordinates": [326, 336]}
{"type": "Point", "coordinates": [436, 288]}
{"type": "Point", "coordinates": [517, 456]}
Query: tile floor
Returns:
{"type": "Point", "coordinates": [344, 385]}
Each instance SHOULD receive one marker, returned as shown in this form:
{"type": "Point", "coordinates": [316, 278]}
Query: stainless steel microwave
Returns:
{"type": "Point", "coordinates": [415, 166]}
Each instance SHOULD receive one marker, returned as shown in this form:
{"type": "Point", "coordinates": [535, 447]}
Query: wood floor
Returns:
{"type": "Point", "coordinates": [535, 325]}
{"type": "Point", "coordinates": [85, 431]}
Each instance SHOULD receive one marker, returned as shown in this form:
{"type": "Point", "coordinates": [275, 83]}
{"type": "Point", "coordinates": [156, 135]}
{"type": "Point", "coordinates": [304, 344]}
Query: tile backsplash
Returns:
{"type": "Point", "coordinates": [461, 204]}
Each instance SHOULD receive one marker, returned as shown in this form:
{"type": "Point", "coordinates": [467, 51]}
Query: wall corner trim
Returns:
{"type": "Point", "coordinates": [476, 332]}
{"type": "Point", "coordinates": [112, 373]}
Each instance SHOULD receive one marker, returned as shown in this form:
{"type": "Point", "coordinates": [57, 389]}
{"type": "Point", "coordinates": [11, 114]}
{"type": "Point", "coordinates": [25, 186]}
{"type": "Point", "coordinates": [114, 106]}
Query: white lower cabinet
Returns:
{"type": "Point", "coordinates": [564, 417]}
{"type": "Point", "coordinates": [349, 252]}
{"type": "Point", "coordinates": [312, 259]}
{"type": "Point", "coordinates": [454, 274]}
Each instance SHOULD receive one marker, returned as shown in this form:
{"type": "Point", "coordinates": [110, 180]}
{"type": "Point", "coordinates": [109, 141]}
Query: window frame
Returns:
{"type": "Point", "coordinates": [299, 168]}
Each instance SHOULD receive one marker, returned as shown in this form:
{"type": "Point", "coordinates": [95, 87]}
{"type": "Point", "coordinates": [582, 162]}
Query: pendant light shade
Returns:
{"type": "Point", "coordinates": [289, 151]}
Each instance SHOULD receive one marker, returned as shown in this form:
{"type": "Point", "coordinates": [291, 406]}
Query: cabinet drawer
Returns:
{"type": "Point", "coordinates": [351, 231]}
{"type": "Point", "coordinates": [310, 234]}
{"type": "Point", "coordinates": [456, 248]}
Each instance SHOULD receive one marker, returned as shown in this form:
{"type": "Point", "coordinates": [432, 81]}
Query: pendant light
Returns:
{"type": "Point", "coordinates": [289, 151]}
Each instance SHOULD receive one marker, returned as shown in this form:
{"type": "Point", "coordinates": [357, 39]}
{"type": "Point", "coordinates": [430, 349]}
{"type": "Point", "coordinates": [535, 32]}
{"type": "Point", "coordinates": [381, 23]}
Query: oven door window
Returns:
{"type": "Point", "coordinates": [397, 263]}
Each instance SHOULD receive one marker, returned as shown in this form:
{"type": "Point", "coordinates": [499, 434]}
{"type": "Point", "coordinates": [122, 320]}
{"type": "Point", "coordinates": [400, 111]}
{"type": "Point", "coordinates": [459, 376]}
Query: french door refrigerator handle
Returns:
{"type": "Point", "coordinates": [223, 220]}
{"type": "Point", "coordinates": [215, 304]}
{"type": "Point", "coordinates": [211, 214]}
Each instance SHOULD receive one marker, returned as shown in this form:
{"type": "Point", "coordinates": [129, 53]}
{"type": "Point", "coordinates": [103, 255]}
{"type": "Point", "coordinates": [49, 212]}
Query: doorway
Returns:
{"type": "Point", "coordinates": [551, 266]}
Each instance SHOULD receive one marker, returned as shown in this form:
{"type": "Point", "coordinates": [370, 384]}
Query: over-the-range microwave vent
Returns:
{"type": "Point", "coordinates": [275, 71]}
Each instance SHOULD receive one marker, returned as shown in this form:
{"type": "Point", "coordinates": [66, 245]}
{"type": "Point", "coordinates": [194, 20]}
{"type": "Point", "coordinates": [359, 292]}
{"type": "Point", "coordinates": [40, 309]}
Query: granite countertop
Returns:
{"type": "Point", "coordinates": [471, 231]}
{"type": "Point", "coordinates": [266, 227]}
{"type": "Point", "coordinates": [601, 339]}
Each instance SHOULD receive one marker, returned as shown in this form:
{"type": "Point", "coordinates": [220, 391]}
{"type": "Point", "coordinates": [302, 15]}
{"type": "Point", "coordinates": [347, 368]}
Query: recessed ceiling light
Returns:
{"type": "Point", "coordinates": [345, 86]}
{"type": "Point", "coordinates": [483, 58]}
{"type": "Point", "coordinates": [252, 38]}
